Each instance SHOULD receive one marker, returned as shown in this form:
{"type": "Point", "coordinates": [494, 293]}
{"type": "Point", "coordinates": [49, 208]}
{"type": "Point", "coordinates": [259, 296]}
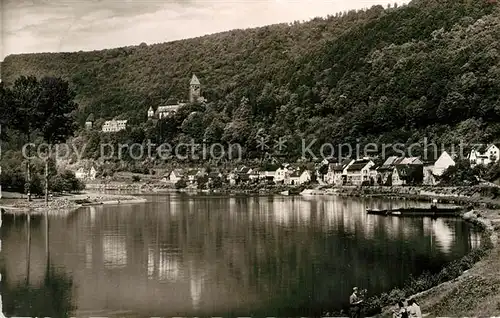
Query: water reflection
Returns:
{"type": "Point", "coordinates": [214, 256]}
{"type": "Point", "coordinates": [44, 291]}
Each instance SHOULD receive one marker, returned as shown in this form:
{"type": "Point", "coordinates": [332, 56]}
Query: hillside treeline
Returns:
{"type": "Point", "coordinates": [427, 69]}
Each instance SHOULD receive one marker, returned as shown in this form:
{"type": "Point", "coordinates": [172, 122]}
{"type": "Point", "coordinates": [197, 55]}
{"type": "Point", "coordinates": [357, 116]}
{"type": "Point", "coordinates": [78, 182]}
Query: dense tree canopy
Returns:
{"type": "Point", "coordinates": [427, 69]}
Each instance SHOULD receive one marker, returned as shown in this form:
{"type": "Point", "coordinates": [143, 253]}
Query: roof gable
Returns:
{"type": "Point", "coordinates": [194, 80]}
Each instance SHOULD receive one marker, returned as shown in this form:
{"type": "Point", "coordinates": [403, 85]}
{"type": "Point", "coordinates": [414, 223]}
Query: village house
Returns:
{"type": "Point", "coordinates": [298, 177]}
{"type": "Point", "coordinates": [232, 177]}
{"type": "Point", "coordinates": [337, 173]}
{"type": "Point", "coordinates": [268, 174]}
{"type": "Point", "coordinates": [254, 175]}
{"type": "Point", "coordinates": [213, 175]}
{"type": "Point", "coordinates": [321, 169]}
{"type": "Point", "coordinates": [386, 170]}
{"type": "Point", "coordinates": [360, 172]}
{"type": "Point", "coordinates": [175, 175]}
{"type": "Point", "coordinates": [86, 174]}
{"type": "Point", "coordinates": [433, 170]}
{"type": "Point", "coordinates": [484, 155]}
{"type": "Point", "coordinates": [114, 125]}
{"type": "Point", "coordinates": [444, 161]}
{"type": "Point", "coordinates": [193, 174]}
{"type": "Point", "coordinates": [281, 174]}
{"type": "Point", "coordinates": [407, 174]}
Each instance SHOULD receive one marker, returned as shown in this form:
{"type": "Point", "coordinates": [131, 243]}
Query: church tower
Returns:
{"type": "Point", "coordinates": [194, 89]}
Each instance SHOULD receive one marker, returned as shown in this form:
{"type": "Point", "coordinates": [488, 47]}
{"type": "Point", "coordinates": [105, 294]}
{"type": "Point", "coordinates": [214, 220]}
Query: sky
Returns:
{"type": "Point", "coordinates": [29, 26]}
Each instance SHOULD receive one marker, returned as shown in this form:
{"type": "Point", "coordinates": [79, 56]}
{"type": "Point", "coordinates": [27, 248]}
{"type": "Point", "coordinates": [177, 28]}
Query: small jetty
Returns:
{"type": "Point", "coordinates": [419, 212]}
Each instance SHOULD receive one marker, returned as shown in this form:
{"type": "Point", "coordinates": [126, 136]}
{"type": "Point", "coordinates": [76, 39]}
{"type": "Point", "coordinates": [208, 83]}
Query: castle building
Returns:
{"type": "Point", "coordinates": [172, 105]}
{"type": "Point", "coordinates": [194, 89]}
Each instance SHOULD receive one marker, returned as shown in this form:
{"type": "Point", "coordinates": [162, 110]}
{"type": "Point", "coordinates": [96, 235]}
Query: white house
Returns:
{"type": "Point", "coordinates": [192, 175]}
{"type": "Point", "coordinates": [175, 175]}
{"type": "Point", "coordinates": [232, 177]}
{"type": "Point", "coordinates": [429, 178]}
{"type": "Point", "coordinates": [337, 172]}
{"type": "Point", "coordinates": [151, 112]}
{"type": "Point", "coordinates": [281, 174]}
{"type": "Point", "coordinates": [360, 171]}
{"type": "Point", "coordinates": [268, 174]}
{"type": "Point", "coordinates": [442, 163]}
{"type": "Point", "coordinates": [305, 177]}
{"type": "Point", "coordinates": [114, 125]}
{"type": "Point", "coordinates": [489, 155]}
{"type": "Point", "coordinates": [298, 177]}
{"type": "Point", "coordinates": [84, 174]}
{"type": "Point", "coordinates": [386, 171]}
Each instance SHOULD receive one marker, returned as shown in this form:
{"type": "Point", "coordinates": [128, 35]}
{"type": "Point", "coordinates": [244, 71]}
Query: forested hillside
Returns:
{"type": "Point", "coordinates": [431, 68]}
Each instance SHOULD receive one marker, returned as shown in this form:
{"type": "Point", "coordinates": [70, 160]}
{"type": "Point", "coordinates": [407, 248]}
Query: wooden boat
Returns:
{"type": "Point", "coordinates": [378, 212]}
{"type": "Point", "coordinates": [433, 211]}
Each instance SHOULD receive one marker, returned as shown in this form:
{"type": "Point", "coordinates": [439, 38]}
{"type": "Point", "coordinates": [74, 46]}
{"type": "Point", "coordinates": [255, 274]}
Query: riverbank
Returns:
{"type": "Point", "coordinates": [485, 197]}
{"type": "Point", "coordinates": [65, 204]}
{"type": "Point", "coordinates": [466, 287]}
{"type": "Point", "coordinates": [476, 292]}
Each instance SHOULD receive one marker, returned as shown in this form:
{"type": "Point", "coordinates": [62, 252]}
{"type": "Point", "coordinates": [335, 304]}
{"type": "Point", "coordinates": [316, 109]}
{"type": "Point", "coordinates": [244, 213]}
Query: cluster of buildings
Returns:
{"type": "Point", "coordinates": [484, 155]}
{"type": "Point", "coordinates": [395, 171]}
{"type": "Point", "coordinates": [285, 174]}
{"type": "Point", "coordinates": [164, 111]}
{"type": "Point", "coordinates": [398, 171]}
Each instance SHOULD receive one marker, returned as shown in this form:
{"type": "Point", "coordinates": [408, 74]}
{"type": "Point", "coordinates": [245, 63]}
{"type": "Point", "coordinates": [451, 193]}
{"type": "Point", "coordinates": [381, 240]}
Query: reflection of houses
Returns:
{"type": "Point", "coordinates": [114, 251]}
{"type": "Point", "coordinates": [114, 125]}
{"type": "Point", "coordinates": [195, 287]}
{"type": "Point", "coordinates": [484, 155]}
{"type": "Point", "coordinates": [163, 265]}
{"type": "Point", "coordinates": [442, 234]}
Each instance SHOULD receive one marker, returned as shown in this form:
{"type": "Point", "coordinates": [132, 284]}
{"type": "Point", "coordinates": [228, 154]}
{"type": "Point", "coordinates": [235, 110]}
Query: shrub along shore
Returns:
{"type": "Point", "coordinates": [464, 287]}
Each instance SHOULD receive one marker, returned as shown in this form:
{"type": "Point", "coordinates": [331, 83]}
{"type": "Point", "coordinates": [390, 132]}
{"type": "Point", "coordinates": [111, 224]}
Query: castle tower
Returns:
{"type": "Point", "coordinates": [89, 122]}
{"type": "Point", "coordinates": [151, 112]}
{"type": "Point", "coordinates": [194, 89]}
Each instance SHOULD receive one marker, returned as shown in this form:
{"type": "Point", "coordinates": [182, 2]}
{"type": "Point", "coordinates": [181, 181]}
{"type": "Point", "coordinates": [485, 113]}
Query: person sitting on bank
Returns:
{"type": "Point", "coordinates": [401, 311]}
{"type": "Point", "coordinates": [355, 302]}
{"type": "Point", "coordinates": [414, 309]}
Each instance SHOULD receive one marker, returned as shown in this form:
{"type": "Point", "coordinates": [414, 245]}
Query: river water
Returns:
{"type": "Point", "coordinates": [206, 255]}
